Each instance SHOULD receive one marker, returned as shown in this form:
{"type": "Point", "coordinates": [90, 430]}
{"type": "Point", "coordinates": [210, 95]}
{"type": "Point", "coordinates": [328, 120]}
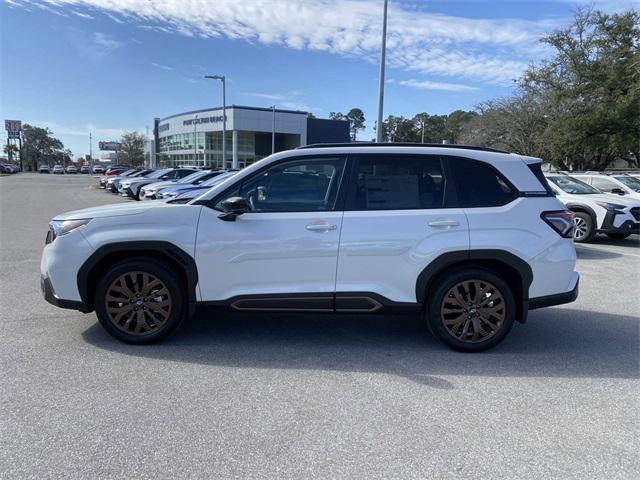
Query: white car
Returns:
{"type": "Point", "coordinates": [615, 183]}
{"type": "Point", "coordinates": [71, 169]}
{"type": "Point", "coordinates": [471, 238]}
{"type": "Point", "coordinates": [594, 211]}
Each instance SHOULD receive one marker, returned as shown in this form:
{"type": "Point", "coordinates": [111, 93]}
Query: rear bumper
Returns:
{"type": "Point", "coordinates": [557, 298]}
{"type": "Point", "coordinates": [51, 297]}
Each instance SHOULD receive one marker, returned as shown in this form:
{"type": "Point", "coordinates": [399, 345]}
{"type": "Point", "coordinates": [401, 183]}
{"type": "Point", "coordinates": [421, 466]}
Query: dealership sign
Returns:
{"type": "Point", "coordinates": [215, 119]}
{"type": "Point", "coordinates": [111, 146]}
{"type": "Point", "coordinates": [13, 128]}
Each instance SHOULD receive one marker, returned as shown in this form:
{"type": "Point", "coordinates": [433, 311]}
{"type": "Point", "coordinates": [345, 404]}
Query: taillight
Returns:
{"type": "Point", "coordinates": [561, 221]}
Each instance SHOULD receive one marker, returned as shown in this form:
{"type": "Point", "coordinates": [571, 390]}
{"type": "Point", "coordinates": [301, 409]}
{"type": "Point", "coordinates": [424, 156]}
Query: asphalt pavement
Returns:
{"type": "Point", "coordinates": [293, 396]}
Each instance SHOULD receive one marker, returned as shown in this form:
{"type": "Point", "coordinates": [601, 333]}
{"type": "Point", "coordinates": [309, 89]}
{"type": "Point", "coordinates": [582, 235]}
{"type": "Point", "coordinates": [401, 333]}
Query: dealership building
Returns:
{"type": "Point", "coordinates": [195, 138]}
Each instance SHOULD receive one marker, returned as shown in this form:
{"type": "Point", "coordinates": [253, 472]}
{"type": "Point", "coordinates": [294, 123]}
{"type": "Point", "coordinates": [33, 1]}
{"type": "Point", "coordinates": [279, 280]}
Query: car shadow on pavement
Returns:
{"type": "Point", "coordinates": [586, 253]}
{"type": "Point", "coordinates": [556, 342]}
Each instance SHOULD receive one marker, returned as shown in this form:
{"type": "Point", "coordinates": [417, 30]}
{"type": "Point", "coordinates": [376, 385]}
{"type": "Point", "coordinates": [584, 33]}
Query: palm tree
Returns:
{"type": "Point", "coordinates": [10, 149]}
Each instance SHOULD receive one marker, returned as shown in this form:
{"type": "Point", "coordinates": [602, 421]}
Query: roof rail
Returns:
{"type": "Point", "coordinates": [402, 144]}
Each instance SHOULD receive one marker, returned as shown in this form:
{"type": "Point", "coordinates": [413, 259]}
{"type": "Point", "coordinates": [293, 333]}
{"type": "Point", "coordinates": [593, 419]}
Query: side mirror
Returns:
{"type": "Point", "coordinates": [619, 191]}
{"type": "Point", "coordinates": [233, 207]}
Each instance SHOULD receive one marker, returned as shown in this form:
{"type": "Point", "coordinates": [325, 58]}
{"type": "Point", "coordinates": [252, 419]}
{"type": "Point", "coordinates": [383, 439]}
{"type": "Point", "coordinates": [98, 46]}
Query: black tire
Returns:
{"type": "Point", "coordinates": [584, 229]}
{"type": "Point", "coordinates": [440, 295]}
{"type": "Point", "coordinates": [617, 236]}
{"type": "Point", "coordinates": [160, 324]}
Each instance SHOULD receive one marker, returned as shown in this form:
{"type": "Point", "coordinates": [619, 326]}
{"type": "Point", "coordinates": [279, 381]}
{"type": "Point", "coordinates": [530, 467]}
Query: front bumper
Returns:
{"type": "Point", "coordinates": [51, 297]}
{"type": "Point", "coordinates": [627, 226]}
{"type": "Point", "coordinates": [557, 298]}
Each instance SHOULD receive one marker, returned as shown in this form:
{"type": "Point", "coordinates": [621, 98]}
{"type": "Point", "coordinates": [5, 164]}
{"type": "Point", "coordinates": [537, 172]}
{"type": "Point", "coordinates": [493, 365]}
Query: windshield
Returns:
{"type": "Point", "coordinates": [212, 182]}
{"type": "Point", "coordinates": [192, 177]}
{"type": "Point", "coordinates": [572, 185]}
{"type": "Point", "coordinates": [632, 183]}
{"type": "Point", "coordinates": [159, 173]}
{"type": "Point", "coordinates": [128, 172]}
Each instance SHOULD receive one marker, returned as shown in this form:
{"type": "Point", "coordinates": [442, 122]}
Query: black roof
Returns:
{"type": "Point", "coordinates": [372, 144]}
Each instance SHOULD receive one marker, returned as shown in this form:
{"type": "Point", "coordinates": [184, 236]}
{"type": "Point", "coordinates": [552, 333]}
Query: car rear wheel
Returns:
{"type": "Point", "coordinates": [618, 236]}
{"type": "Point", "coordinates": [471, 310]}
{"type": "Point", "coordinates": [139, 301]}
{"type": "Point", "coordinates": [583, 227]}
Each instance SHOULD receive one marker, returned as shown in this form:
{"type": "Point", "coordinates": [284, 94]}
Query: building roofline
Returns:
{"type": "Point", "coordinates": [238, 107]}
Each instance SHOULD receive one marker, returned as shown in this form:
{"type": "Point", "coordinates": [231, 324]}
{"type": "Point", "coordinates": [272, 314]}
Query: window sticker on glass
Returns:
{"type": "Point", "coordinates": [390, 192]}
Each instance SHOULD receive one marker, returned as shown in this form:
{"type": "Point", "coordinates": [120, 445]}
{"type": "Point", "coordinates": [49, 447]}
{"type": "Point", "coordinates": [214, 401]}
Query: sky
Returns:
{"type": "Point", "coordinates": [110, 66]}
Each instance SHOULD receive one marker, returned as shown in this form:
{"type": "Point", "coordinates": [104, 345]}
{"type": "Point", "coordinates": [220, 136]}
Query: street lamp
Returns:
{"type": "Point", "coordinates": [224, 117]}
{"type": "Point", "coordinates": [273, 131]}
{"type": "Point", "coordinates": [195, 150]}
{"type": "Point", "coordinates": [381, 83]}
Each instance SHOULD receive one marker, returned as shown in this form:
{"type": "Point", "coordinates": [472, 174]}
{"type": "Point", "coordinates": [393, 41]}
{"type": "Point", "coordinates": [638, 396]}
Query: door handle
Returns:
{"type": "Point", "coordinates": [444, 223]}
{"type": "Point", "coordinates": [320, 227]}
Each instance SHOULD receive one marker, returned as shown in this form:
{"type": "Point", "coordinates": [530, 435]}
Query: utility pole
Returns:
{"type": "Point", "coordinates": [90, 153]}
{"type": "Point", "coordinates": [273, 131]}
{"type": "Point", "coordinates": [224, 118]}
{"type": "Point", "coordinates": [381, 82]}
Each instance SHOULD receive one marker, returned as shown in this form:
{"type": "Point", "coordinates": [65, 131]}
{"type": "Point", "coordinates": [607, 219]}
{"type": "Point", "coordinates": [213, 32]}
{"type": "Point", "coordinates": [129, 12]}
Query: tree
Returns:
{"type": "Point", "coordinates": [455, 124]}
{"type": "Point", "coordinates": [591, 87]}
{"type": "Point", "coordinates": [132, 148]}
{"type": "Point", "coordinates": [337, 116]}
{"type": "Point", "coordinates": [398, 129]}
{"type": "Point", "coordinates": [310, 115]}
{"type": "Point", "coordinates": [10, 149]}
{"type": "Point", "coordinates": [39, 145]}
{"type": "Point", "coordinates": [356, 121]}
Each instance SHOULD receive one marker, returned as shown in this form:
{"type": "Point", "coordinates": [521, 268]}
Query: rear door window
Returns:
{"type": "Point", "coordinates": [394, 182]}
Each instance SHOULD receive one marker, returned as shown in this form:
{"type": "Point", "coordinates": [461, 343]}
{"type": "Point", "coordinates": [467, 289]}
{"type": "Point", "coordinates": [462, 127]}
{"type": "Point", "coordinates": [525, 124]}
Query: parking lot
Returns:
{"type": "Point", "coordinates": [291, 396]}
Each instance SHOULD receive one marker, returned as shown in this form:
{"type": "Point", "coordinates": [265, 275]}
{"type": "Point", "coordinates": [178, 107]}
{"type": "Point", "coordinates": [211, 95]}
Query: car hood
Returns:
{"type": "Point", "coordinates": [141, 181]}
{"type": "Point", "coordinates": [601, 197]}
{"type": "Point", "coordinates": [113, 210]}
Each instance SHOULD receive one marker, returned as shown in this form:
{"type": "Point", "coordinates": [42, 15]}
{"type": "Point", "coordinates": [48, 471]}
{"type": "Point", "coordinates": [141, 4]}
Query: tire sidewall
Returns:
{"type": "Point", "coordinates": [444, 284]}
{"type": "Point", "coordinates": [157, 269]}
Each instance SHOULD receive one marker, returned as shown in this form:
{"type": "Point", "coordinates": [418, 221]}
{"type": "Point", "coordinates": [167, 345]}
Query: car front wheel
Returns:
{"type": "Point", "coordinates": [471, 310]}
{"type": "Point", "coordinates": [139, 301]}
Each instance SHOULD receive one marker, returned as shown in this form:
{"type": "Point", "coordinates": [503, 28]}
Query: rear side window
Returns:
{"type": "Point", "coordinates": [536, 169]}
{"type": "Point", "coordinates": [603, 184]}
{"type": "Point", "coordinates": [398, 183]}
{"type": "Point", "coordinates": [479, 185]}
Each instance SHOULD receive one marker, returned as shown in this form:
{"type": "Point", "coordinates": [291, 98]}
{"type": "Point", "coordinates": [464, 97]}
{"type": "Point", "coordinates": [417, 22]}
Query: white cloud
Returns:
{"type": "Point", "coordinates": [162, 67]}
{"type": "Point", "coordinates": [428, 85]}
{"type": "Point", "coordinates": [82, 15]}
{"type": "Point", "coordinates": [486, 50]}
{"type": "Point", "coordinates": [106, 41]}
{"type": "Point", "coordinates": [493, 51]}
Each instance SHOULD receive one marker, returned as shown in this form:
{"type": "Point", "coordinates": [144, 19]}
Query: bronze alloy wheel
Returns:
{"type": "Point", "coordinates": [473, 311]}
{"type": "Point", "coordinates": [138, 303]}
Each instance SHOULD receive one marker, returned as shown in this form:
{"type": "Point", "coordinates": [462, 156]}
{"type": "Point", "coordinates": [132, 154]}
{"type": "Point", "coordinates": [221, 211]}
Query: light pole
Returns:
{"type": "Point", "coordinates": [195, 151]}
{"type": "Point", "coordinates": [90, 153]}
{"type": "Point", "coordinates": [381, 83]}
{"type": "Point", "coordinates": [273, 131]}
{"type": "Point", "coordinates": [224, 118]}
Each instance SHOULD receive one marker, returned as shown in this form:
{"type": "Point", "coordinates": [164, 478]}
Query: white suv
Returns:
{"type": "Point", "coordinates": [594, 211]}
{"type": "Point", "coordinates": [472, 238]}
{"type": "Point", "coordinates": [615, 183]}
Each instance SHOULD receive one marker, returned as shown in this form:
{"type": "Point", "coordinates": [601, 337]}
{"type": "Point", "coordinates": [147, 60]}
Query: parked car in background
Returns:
{"type": "Point", "coordinates": [71, 169]}
{"type": "Point", "coordinates": [44, 169]}
{"type": "Point", "coordinates": [616, 183]}
{"type": "Point", "coordinates": [472, 238]}
{"type": "Point", "coordinates": [150, 192]}
{"type": "Point", "coordinates": [58, 169]}
{"type": "Point", "coordinates": [111, 170]}
{"type": "Point", "coordinates": [131, 187]}
{"type": "Point", "coordinates": [596, 212]}
{"type": "Point", "coordinates": [85, 169]}
{"type": "Point", "coordinates": [102, 181]}
{"type": "Point", "coordinates": [113, 183]}
{"type": "Point", "coordinates": [98, 169]}
{"type": "Point", "coordinates": [186, 193]}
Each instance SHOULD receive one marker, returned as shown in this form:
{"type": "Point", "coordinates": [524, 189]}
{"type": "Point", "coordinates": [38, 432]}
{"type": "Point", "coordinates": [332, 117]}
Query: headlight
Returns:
{"type": "Point", "coordinates": [62, 227]}
{"type": "Point", "coordinates": [168, 194]}
{"type": "Point", "coordinates": [610, 206]}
